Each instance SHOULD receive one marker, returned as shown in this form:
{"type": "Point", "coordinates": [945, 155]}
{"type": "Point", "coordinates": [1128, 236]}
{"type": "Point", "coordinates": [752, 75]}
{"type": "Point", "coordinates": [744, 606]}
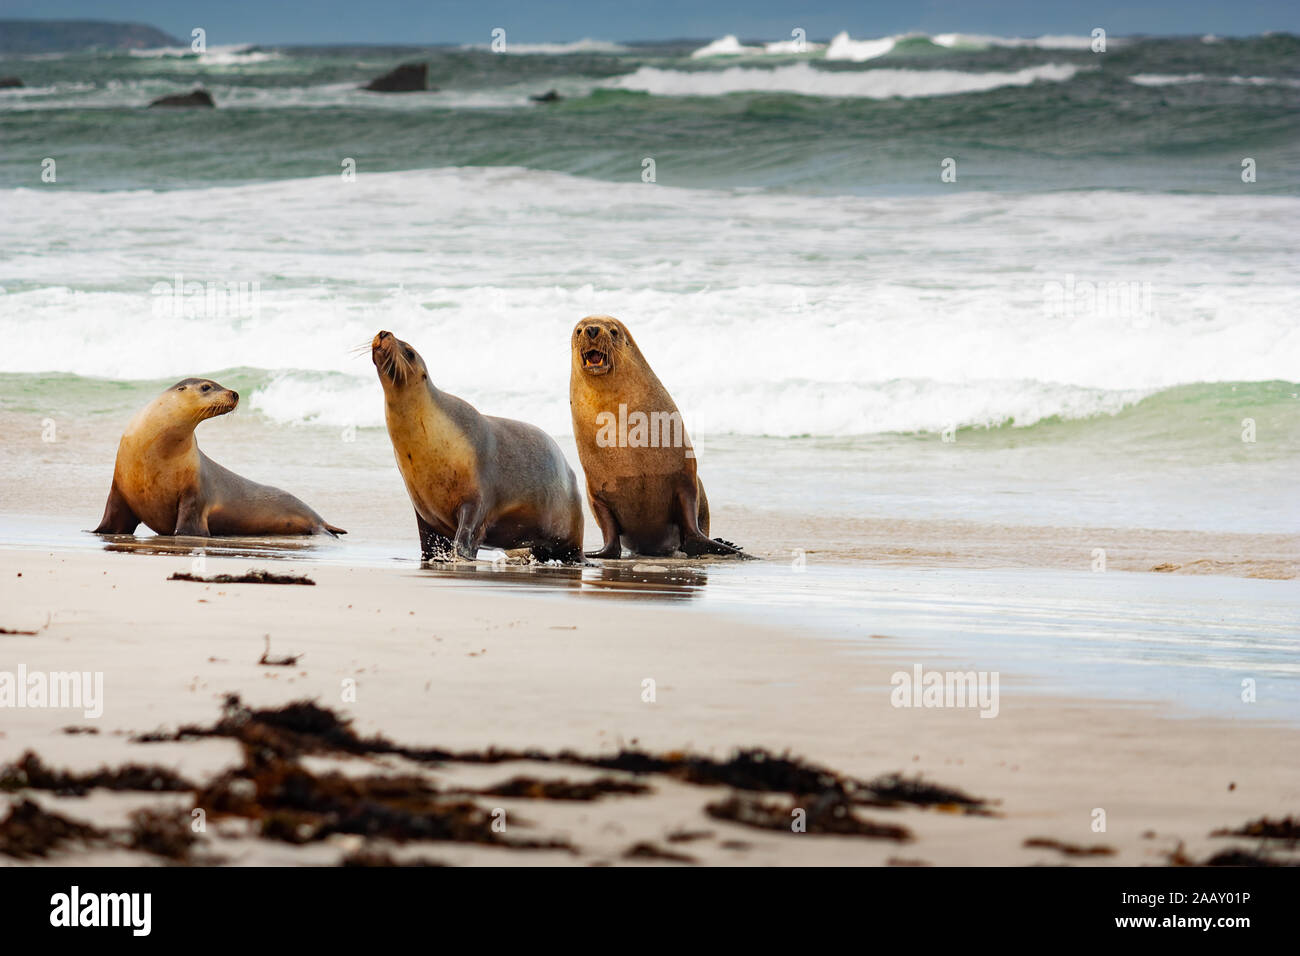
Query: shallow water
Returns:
{"type": "Point", "coordinates": [1181, 644]}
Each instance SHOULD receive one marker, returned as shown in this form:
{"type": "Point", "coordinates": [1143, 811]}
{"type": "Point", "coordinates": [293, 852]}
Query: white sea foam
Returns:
{"type": "Point", "coordinates": [1180, 79]}
{"type": "Point", "coordinates": [730, 46]}
{"type": "Point", "coordinates": [762, 313]}
{"type": "Point", "coordinates": [981, 41]}
{"type": "Point", "coordinates": [237, 54]}
{"type": "Point", "coordinates": [791, 47]}
{"type": "Point", "coordinates": [585, 45]}
{"type": "Point", "coordinates": [843, 47]}
{"type": "Point", "coordinates": [726, 46]}
{"type": "Point", "coordinates": [808, 80]}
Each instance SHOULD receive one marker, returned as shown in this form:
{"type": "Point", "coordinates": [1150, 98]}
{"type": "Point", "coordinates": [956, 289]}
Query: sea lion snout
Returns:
{"type": "Point", "coordinates": [204, 397]}
{"type": "Point", "coordinates": [381, 346]}
{"type": "Point", "coordinates": [395, 360]}
{"type": "Point", "coordinates": [596, 339]}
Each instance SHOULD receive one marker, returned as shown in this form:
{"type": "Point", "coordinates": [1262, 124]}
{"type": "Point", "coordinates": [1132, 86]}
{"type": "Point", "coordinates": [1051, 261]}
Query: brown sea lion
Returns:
{"type": "Point", "coordinates": [474, 480]}
{"type": "Point", "coordinates": [162, 478]}
{"type": "Point", "coordinates": [641, 476]}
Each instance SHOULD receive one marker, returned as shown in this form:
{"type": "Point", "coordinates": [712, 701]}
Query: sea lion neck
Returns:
{"type": "Point", "coordinates": [163, 426]}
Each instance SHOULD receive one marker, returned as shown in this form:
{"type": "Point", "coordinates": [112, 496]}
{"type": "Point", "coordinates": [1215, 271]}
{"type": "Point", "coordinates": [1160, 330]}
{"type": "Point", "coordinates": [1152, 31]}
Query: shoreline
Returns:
{"type": "Point", "coordinates": [777, 536]}
{"type": "Point", "coordinates": [442, 666]}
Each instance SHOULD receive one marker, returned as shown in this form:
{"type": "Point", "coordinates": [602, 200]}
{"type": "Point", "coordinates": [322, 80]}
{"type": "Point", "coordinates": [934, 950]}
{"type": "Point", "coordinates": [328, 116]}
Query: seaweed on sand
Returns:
{"type": "Point", "coordinates": [827, 813]}
{"type": "Point", "coordinates": [31, 773]}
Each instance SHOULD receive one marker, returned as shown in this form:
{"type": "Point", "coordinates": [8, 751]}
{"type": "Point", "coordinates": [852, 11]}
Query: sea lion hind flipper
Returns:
{"type": "Point", "coordinates": [694, 546]}
{"type": "Point", "coordinates": [696, 542]}
{"type": "Point", "coordinates": [433, 546]}
{"type": "Point", "coordinates": [564, 552]}
{"type": "Point", "coordinates": [118, 516]}
{"type": "Point", "coordinates": [330, 529]}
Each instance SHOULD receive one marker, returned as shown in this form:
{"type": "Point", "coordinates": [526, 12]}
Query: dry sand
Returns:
{"type": "Point", "coordinates": [456, 666]}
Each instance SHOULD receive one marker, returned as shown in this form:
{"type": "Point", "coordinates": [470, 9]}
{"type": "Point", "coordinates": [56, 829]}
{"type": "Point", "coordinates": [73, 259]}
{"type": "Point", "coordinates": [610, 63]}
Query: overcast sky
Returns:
{"type": "Point", "coordinates": [526, 21]}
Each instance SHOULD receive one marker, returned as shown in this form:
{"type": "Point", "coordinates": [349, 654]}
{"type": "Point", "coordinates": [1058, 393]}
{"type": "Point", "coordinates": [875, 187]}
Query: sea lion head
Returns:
{"type": "Point", "coordinates": [396, 361]}
{"type": "Point", "coordinates": [201, 398]}
{"type": "Point", "coordinates": [601, 345]}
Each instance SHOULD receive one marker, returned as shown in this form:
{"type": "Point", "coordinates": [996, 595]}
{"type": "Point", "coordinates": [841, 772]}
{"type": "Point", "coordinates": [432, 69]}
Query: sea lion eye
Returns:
{"type": "Point", "coordinates": [613, 333]}
{"type": "Point", "coordinates": [410, 354]}
{"type": "Point", "coordinates": [207, 388]}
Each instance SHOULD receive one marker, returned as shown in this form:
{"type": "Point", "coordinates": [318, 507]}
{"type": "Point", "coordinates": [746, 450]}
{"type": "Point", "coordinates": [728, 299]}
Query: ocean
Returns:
{"type": "Point", "coordinates": [1008, 282]}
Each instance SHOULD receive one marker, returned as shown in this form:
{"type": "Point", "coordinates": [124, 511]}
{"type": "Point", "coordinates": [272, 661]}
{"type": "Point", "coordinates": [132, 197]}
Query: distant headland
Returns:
{"type": "Point", "coordinates": [58, 36]}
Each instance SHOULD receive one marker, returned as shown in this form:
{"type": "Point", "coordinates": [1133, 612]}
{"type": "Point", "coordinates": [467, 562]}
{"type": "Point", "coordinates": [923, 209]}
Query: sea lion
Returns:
{"type": "Point", "coordinates": [641, 475]}
{"type": "Point", "coordinates": [161, 477]}
{"type": "Point", "coordinates": [474, 480]}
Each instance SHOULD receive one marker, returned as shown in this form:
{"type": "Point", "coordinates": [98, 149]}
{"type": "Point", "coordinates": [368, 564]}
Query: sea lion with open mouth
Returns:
{"type": "Point", "coordinates": [474, 479]}
{"type": "Point", "coordinates": [162, 479]}
{"type": "Point", "coordinates": [641, 472]}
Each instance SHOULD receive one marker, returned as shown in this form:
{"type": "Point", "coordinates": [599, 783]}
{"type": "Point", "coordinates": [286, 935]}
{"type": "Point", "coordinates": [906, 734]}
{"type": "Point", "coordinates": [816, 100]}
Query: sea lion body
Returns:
{"type": "Point", "coordinates": [642, 482]}
{"type": "Point", "coordinates": [163, 480]}
{"type": "Point", "coordinates": [474, 479]}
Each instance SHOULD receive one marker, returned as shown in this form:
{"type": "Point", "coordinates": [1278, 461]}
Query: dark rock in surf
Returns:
{"type": "Point", "coordinates": [550, 96]}
{"type": "Point", "coordinates": [10, 83]}
{"type": "Point", "coordinates": [198, 99]}
{"type": "Point", "coordinates": [407, 78]}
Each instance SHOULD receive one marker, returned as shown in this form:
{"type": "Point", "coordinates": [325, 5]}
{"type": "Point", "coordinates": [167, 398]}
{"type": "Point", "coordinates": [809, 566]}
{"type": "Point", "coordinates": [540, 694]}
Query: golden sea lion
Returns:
{"type": "Point", "coordinates": [474, 480]}
{"type": "Point", "coordinates": [641, 474]}
{"type": "Point", "coordinates": [161, 477]}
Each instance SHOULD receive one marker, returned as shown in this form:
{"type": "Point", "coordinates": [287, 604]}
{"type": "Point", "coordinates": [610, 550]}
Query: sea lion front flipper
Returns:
{"type": "Point", "coordinates": [118, 516]}
{"type": "Point", "coordinates": [192, 518]}
{"type": "Point", "coordinates": [470, 529]}
{"type": "Point", "coordinates": [433, 546]}
{"type": "Point", "coordinates": [612, 548]}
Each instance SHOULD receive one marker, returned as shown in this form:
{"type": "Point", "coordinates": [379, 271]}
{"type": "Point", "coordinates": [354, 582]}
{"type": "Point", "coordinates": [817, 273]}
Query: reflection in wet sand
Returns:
{"type": "Point", "coordinates": [187, 546]}
{"type": "Point", "coordinates": [664, 579]}
{"type": "Point", "coordinates": [518, 576]}
{"type": "Point", "coordinates": [660, 579]}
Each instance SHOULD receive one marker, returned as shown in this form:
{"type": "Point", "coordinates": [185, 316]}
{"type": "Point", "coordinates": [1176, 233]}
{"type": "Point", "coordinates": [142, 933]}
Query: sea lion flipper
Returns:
{"type": "Point", "coordinates": [696, 546]}
{"type": "Point", "coordinates": [469, 529]}
{"type": "Point", "coordinates": [612, 548]}
{"type": "Point", "coordinates": [118, 516]}
{"type": "Point", "coordinates": [696, 542]}
{"type": "Point", "coordinates": [192, 517]}
{"type": "Point", "coordinates": [433, 546]}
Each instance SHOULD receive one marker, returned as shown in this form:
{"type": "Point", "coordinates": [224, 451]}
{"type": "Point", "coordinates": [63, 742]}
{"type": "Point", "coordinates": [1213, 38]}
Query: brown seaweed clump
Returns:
{"type": "Point", "coordinates": [248, 577]}
{"type": "Point", "coordinates": [531, 788]}
{"type": "Point", "coordinates": [31, 773]}
{"type": "Point", "coordinates": [827, 813]}
{"type": "Point", "coordinates": [1288, 828]}
{"type": "Point", "coordinates": [30, 831]}
{"type": "Point", "coordinates": [1069, 849]}
{"type": "Point", "coordinates": [294, 805]}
